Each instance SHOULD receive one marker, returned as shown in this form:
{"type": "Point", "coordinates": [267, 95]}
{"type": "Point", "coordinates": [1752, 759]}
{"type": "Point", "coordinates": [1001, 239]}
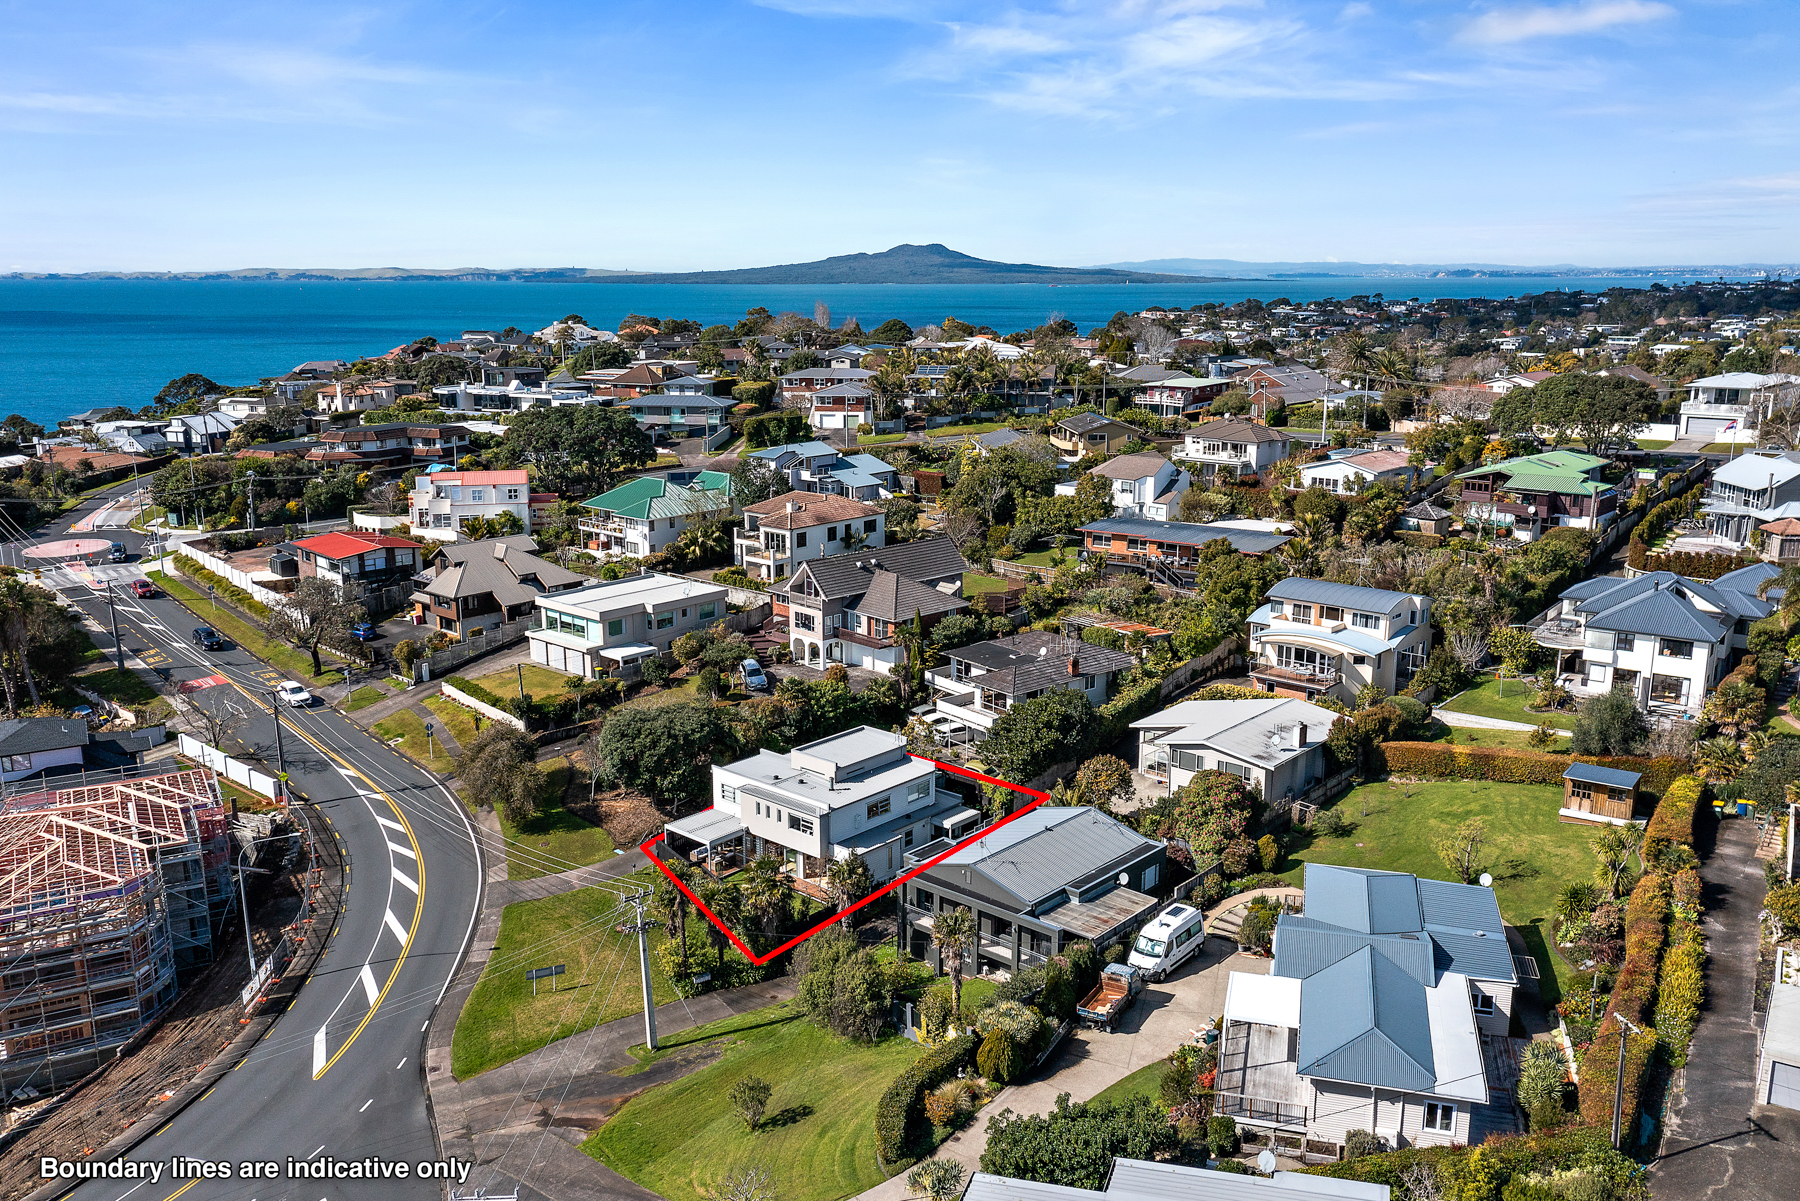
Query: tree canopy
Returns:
{"type": "Point", "coordinates": [666, 752]}
{"type": "Point", "coordinates": [576, 448]}
{"type": "Point", "coordinates": [1035, 735]}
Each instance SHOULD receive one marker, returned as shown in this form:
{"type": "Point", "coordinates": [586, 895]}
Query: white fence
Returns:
{"type": "Point", "coordinates": [482, 707]}
{"type": "Point", "coordinates": [237, 576]}
{"type": "Point", "coordinates": [232, 769]}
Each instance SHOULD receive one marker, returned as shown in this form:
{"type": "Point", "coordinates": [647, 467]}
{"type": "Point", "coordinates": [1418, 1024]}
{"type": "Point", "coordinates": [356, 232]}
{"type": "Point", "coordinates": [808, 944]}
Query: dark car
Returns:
{"type": "Point", "coordinates": [143, 588]}
{"type": "Point", "coordinates": [362, 631]}
{"type": "Point", "coordinates": [208, 639]}
{"type": "Point", "coordinates": [117, 554]}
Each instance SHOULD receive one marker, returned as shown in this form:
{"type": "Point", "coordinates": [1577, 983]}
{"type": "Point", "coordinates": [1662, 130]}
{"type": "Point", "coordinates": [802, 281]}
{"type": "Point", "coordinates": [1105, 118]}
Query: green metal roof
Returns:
{"type": "Point", "coordinates": [1563, 471]}
{"type": "Point", "coordinates": [1567, 483]}
{"type": "Point", "coordinates": [650, 497]}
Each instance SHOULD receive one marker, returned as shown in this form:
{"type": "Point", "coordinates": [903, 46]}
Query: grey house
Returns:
{"type": "Point", "coordinates": [1046, 879]}
{"type": "Point", "coordinates": [1386, 1012]}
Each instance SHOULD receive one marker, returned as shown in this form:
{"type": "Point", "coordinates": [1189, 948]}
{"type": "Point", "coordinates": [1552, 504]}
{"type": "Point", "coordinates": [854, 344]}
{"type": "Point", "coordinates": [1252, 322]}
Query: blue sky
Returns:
{"type": "Point", "coordinates": [675, 136]}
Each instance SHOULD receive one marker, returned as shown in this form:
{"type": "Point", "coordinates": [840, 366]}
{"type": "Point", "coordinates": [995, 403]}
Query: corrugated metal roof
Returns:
{"type": "Point", "coordinates": [1184, 533]}
{"type": "Point", "coordinates": [1359, 899]}
{"type": "Point", "coordinates": [1467, 907]}
{"type": "Point", "coordinates": [1479, 958]}
{"type": "Point", "coordinates": [1593, 773]}
{"type": "Point", "coordinates": [1663, 615]}
{"type": "Point", "coordinates": [1306, 946]}
{"type": "Point", "coordinates": [1364, 1019]}
{"type": "Point", "coordinates": [1348, 596]}
{"type": "Point", "coordinates": [1052, 847]}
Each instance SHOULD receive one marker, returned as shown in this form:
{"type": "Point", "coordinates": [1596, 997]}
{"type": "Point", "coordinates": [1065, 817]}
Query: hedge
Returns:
{"type": "Point", "coordinates": [901, 1110]}
{"type": "Point", "coordinates": [190, 567]}
{"type": "Point", "coordinates": [1673, 821]}
{"type": "Point", "coordinates": [473, 690]}
{"type": "Point", "coordinates": [1696, 566]}
{"type": "Point", "coordinates": [1633, 995]}
{"type": "Point", "coordinates": [1448, 761]}
{"type": "Point", "coordinates": [1505, 1155]}
{"type": "Point", "coordinates": [1682, 985]}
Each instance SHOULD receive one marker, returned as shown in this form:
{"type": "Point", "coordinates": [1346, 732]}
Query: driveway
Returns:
{"type": "Point", "coordinates": [1163, 1017]}
{"type": "Point", "coordinates": [1716, 1143]}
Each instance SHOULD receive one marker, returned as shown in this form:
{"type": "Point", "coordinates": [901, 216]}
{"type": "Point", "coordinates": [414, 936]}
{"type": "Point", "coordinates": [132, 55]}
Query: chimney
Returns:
{"type": "Point", "coordinates": [793, 506]}
{"type": "Point", "coordinates": [1299, 735]}
{"type": "Point", "coordinates": [1074, 665]}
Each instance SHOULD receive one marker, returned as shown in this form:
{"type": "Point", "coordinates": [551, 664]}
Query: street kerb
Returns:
{"type": "Point", "coordinates": [1038, 798]}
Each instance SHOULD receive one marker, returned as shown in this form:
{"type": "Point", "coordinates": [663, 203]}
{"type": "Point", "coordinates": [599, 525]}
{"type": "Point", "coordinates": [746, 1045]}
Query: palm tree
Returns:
{"type": "Point", "coordinates": [849, 881]}
{"type": "Point", "coordinates": [726, 904]}
{"type": "Point", "coordinates": [1755, 743]}
{"type": "Point", "coordinates": [765, 892]}
{"type": "Point", "coordinates": [1351, 356]}
{"type": "Point", "coordinates": [1787, 581]}
{"type": "Point", "coordinates": [952, 931]}
{"type": "Point", "coordinates": [671, 907]}
{"type": "Point", "coordinates": [1735, 707]}
{"type": "Point", "coordinates": [1719, 759]}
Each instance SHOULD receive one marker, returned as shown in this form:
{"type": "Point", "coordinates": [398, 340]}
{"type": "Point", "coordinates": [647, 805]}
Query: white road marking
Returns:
{"type": "Point", "coordinates": [366, 1104]}
{"type": "Point", "coordinates": [400, 850]}
{"type": "Point", "coordinates": [425, 1027]}
{"type": "Point", "coordinates": [319, 1051]}
{"type": "Point", "coordinates": [406, 880]}
{"type": "Point", "coordinates": [368, 983]}
{"type": "Point", "coordinates": [394, 925]}
{"type": "Point", "coordinates": [400, 1065]}
{"type": "Point", "coordinates": [390, 825]}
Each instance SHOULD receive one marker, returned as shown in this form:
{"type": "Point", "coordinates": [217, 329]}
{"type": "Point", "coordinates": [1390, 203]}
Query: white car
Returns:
{"type": "Point", "coordinates": [950, 732]}
{"type": "Point", "coordinates": [291, 693]}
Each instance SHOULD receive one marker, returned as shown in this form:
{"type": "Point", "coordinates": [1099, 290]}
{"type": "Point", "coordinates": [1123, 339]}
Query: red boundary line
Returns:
{"type": "Point", "coordinates": [896, 882]}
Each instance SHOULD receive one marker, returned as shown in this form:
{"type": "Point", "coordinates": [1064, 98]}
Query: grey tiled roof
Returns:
{"type": "Point", "coordinates": [838, 576]}
{"type": "Point", "coordinates": [24, 735]}
{"type": "Point", "coordinates": [895, 598]}
{"type": "Point", "coordinates": [1035, 659]}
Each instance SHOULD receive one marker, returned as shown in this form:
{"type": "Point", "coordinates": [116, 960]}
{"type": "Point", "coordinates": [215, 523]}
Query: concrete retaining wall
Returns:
{"type": "Point", "coordinates": [482, 707]}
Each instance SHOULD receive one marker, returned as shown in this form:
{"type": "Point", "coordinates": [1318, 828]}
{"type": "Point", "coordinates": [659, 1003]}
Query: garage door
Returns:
{"type": "Point", "coordinates": [1784, 1085]}
{"type": "Point", "coordinates": [1707, 427]}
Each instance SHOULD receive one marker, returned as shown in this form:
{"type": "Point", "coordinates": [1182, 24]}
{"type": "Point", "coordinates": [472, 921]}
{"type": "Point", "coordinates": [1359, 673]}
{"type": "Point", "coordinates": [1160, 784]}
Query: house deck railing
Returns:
{"type": "Point", "coordinates": [1262, 1110]}
{"type": "Point", "coordinates": [1296, 676]}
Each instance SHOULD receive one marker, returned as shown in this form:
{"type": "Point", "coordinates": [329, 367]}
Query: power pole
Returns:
{"type": "Point", "coordinates": [275, 712]}
{"type": "Point", "coordinates": [251, 476]}
{"type": "Point", "coordinates": [642, 929]}
{"type": "Point", "coordinates": [113, 611]}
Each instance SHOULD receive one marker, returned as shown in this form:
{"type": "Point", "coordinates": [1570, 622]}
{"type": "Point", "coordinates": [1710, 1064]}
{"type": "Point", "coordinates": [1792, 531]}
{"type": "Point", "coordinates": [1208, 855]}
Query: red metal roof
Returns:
{"type": "Point", "coordinates": [340, 545]}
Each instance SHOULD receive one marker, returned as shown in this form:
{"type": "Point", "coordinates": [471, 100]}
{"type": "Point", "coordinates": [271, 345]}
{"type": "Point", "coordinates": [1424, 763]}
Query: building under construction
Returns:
{"type": "Point", "coordinates": [109, 893]}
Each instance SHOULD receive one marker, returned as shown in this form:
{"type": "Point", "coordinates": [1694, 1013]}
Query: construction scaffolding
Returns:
{"type": "Point", "coordinates": [110, 892]}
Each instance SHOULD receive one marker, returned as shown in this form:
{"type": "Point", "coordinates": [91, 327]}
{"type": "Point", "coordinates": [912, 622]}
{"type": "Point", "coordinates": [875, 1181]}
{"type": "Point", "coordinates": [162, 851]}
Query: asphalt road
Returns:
{"type": "Point", "coordinates": [340, 1075]}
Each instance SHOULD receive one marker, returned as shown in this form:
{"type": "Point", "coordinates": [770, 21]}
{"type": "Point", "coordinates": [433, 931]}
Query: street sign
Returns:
{"type": "Point", "coordinates": [430, 726]}
{"type": "Point", "coordinates": [534, 974]}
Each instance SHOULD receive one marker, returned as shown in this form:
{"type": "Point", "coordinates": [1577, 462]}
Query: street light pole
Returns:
{"type": "Point", "coordinates": [1619, 1079]}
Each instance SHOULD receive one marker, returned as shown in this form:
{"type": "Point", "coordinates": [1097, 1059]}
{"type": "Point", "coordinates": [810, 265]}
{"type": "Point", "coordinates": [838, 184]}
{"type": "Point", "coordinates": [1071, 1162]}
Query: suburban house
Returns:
{"type": "Point", "coordinates": [845, 608]}
{"type": "Point", "coordinates": [1168, 550]}
{"type": "Point", "coordinates": [1666, 639]}
{"type": "Point", "coordinates": [1751, 490]}
{"type": "Point", "coordinates": [1533, 493]}
{"type": "Point", "coordinates": [442, 501]}
{"type": "Point", "coordinates": [993, 440]}
{"type": "Point", "coordinates": [1148, 1180]}
{"type": "Point", "coordinates": [984, 680]}
{"type": "Point", "coordinates": [1231, 447]}
{"type": "Point", "coordinates": [685, 408]}
{"type": "Point", "coordinates": [616, 624]}
{"type": "Point", "coordinates": [1314, 638]}
{"type": "Point", "coordinates": [1781, 541]}
{"type": "Point", "coordinates": [853, 793]}
{"type": "Point", "coordinates": [1427, 518]}
{"type": "Point", "coordinates": [513, 397]}
{"type": "Point", "coordinates": [841, 407]}
{"type": "Point", "coordinates": [1143, 485]}
{"type": "Point", "coordinates": [1629, 371]}
{"type": "Point", "coordinates": [475, 587]}
{"type": "Point", "coordinates": [398, 444]}
{"type": "Point", "coordinates": [1387, 1000]}
{"type": "Point", "coordinates": [362, 565]}
{"type": "Point", "coordinates": [30, 745]}
{"type": "Point", "coordinates": [361, 395]}
{"type": "Point", "coordinates": [199, 433]}
{"type": "Point", "coordinates": [639, 379]}
{"type": "Point", "coordinates": [643, 515]}
{"type": "Point", "coordinates": [1180, 395]}
{"type": "Point", "coordinates": [1091, 434]}
{"type": "Point", "coordinates": [1270, 386]}
{"type": "Point", "coordinates": [1351, 471]}
{"type": "Point", "coordinates": [1048, 878]}
{"type": "Point", "coordinates": [1276, 746]}
{"type": "Point", "coordinates": [798, 387]}
{"type": "Point", "coordinates": [1726, 407]}
{"type": "Point", "coordinates": [816, 467]}
{"type": "Point", "coordinates": [787, 530]}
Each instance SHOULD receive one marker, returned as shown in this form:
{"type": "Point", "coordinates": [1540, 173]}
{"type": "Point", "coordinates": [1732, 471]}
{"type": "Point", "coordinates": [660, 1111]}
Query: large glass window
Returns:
{"type": "Point", "coordinates": [1670, 690]}
{"type": "Point", "coordinates": [616, 627]}
{"type": "Point", "coordinates": [1676, 648]}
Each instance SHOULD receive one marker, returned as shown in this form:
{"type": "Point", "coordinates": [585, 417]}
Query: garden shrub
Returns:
{"type": "Point", "coordinates": [1505, 1159]}
{"type": "Point", "coordinates": [1000, 1058]}
{"type": "Point", "coordinates": [901, 1110]}
{"type": "Point", "coordinates": [1020, 1022]}
{"type": "Point", "coordinates": [1358, 1143]}
{"type": "Point", "coordinates": [935, 1012]}
{"type": "Point", "coordinates": [1672, 824]}
{"type": "Point", "coordinates": [1229, 692]}
{"type": "Point", "coordinates": [1680, 990]}
{"type": "Point", "coordinates": [1634, 993]}
{"type": "Point", "coordinates": [657, 670]}
{"type": "Point", "coordinates": [1222, 1136]}
{"type": "Point", "coordinates": [1269, 851]}
{"type": "Point", "coordinates": [1328, 823]}
{"type": "Point", "coordinates": [190, 567]}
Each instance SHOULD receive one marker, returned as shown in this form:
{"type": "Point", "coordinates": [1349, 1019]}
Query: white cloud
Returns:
{"type": "Point", "coordinates": [1507, 25]}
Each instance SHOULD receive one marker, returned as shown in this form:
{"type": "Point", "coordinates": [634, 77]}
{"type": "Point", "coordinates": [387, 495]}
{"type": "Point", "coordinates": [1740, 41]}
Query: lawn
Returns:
{"type": "Point", "coordinates": [676, 693]}
{"type": "Point", "coordinates": [1511, 740]}
{"type": "Point", "coordinates": [1504, 699]}
{"type": "Point", "coordinates": [1047, 558]}
{"type": "Point", "coordinates": [503, 1021]}
{"type": "Point", "coordinates": [818, 1141]}
{"type": "Point", "coordinates": [878, 439]}
{"type": "Point", "coordinates": [1145, 1082]}
{"type": "Point", "coordinates": [289, 660]}
{"type": "Point", "coordinates": [123, 688]}
{"type": "Point", "coordinates": [409, 728]}
{"type": "Point", "coordinates": [539, 681]}
{"type": "Point", "coordinates": [363, 697]}
{"type": "Point", "coordinates": [1531, 854]}
{"type": "Point", "coordinates": [980, 427]}
{"type": "Point", "coordinates": [1653, 443]}
{"type": "Point", "coordinates": [457, 720]}
{"type": "Point", "coordinates": [975, 585]}
{"type": "Point", "coordinates": [553, 832]}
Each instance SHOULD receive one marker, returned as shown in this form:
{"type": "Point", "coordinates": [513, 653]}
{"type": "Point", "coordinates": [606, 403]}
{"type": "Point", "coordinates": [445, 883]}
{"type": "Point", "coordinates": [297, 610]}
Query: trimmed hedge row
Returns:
{"type": "Point", "coordinates": [1449, 761]}
{"type": "Point", "coordinates": [190, 567]}
{"type": "Point", "coordinates": [901, 1110]}
{"type": "Point", "coordinates": [1632, 997]}
{"type": "Point", "coordinates": [470, 688]}
{"type": "Point", "coordinates": [1503, 1156]}
{"type": "Point", "coordinates": [1673, 822]}
{"type": "Point", "coordinates": [1683, 984]}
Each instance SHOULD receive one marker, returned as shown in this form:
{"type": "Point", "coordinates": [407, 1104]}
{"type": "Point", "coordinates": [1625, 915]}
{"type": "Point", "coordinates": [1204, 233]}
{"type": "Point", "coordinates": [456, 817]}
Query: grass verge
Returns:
{"type": "Point", "coordinates": [1145, 1082]}
{"type": "Point", "coordinates": [682, 1139]}
{"type": "Point", "coordinates": [1530, 853]}
{"type": "Point", "coordinates": [409, 728]}
{"type": "Point", "coordinates": [284, 658]}
{"type": "Point", "coordinates": [363, 697]}
{"type": "Point", "coordinates": [878, 439]}
{"type": "Point", "coordinates": [459, 721]}
{"type": "Point", "coordinates": [553, 840]}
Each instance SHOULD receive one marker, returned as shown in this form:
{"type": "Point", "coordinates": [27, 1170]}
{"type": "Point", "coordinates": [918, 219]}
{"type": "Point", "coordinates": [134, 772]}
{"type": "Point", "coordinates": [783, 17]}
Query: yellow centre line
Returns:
{"type": "Point", "coordinates": [184, 1188]}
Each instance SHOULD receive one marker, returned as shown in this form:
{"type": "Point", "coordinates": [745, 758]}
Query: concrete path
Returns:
{"type": "Point", "coordinates": [1164, 1017]}
{"type": "Point", "coordinates": [1474, 721]}
{"type": "Point", "coordinates": [1718, 1143]}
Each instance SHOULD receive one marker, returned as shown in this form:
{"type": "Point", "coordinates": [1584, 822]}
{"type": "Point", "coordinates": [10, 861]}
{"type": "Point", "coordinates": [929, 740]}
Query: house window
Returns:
{"type": "Point", "coordinates": [802, 824]}
{"type": "Point", "coordinates": [665, 620]}
{"type": "Point", "coordinates": [923, 899]}
{"type": "Point", "coordinates": [831, 533]}
{"type": "Point", "coordinates": [709, 611]}
{"type": "Point", "coordinates": [1150, 875]}
{"type": "Point", "coordinates": [727, 794]}
{"type": "Point", "coordinates": [869, 525]}
{"type": "Point", "coordinates": [917, 790]}
{"type": "Point", "coordinates": [616, 627]}
{"type": "Point", "coordinates": [1581, 790]}
{"type": "Point", "coordinates": [1484, 1004]}
{"type": "Point", "coordinates": [1331, 613]}
{"type": "Point", "coordinates": [1275, 607]}
{"type": "Point", "coordinates": [1359, 660]}
{"type": "Point", "coordinates": [1302, 613]}
{"type": "Point", "coordinates": [1671, 690]}
{"type": "Point", "coordinates": [1625, 679]}
{"type": "Point", "coordinates": [1365, 621]}
{"type": "Point", "coordinates": [1676, 648]}
{"type": "Point", "coordinates": [800, 538]}
{"type": "Point", "coordinates": [1596, 674]}
{"type": "Point", "coordinates": [803, 620]}
{"type": "Point", "coordinates": [1625, 642]}
{"type": "Point", "coordinates": [1439, 1116]}
{"type": "Point", "coordinates": [16, 762]}
{"type": "Point", "coordinates": [881, 807]}
{"type": "Point", "coordinates": [1234, 769]}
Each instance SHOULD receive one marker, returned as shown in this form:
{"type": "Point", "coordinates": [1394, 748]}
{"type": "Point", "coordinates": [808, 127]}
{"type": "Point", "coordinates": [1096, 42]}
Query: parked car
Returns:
{"type": "Point", "coordinates": [209, 639]}
{"type": "Point", "coordinates": [143, 588]}
{"type": "Point", "coordinates": [290, 693]}
{"type": "Point", "coordinates": [1169, 941]}
{"type": "Point", "coordinates": [362, 631]}
{"type": "Point", "coordinates": [117, 555]}
{"type": "Point", "coordinates": [1119, 985]}
{"type": "Point", "coordinates": [949, 731]}
{"type": "Point", "coordinates": [84, 712]}
{"type": "Point", "coordinates": [755, 679]}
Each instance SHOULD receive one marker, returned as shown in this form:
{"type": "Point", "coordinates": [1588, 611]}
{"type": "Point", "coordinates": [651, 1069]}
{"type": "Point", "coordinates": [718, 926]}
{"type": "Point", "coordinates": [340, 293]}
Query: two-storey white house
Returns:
{"type": "Point", "coordinates": [617, 624]}
{"type": "Point", "coordinates": [1751, 490]}
{"type": "Point", "coordinates": [1730, 407]}
{"type": "Point", "coordinates": [1383, 1006]}
{"type": "Point", "coordinates": [1313, 638]}
{"type": "Point", "coordinates": [816, 467]}
{"type": "Point", "coordinates": [853, 793]}
{"type": "Point", "coordinates": [443, 501]}
{"type": "Point", "coordinates": [785, 531]}
{"type": "Point", "coordinates": [1662, 637]}
{"type": "Point", "coordinates": [1229, 448]}
{"type": "Point", "coordinates": [982, 681]}
{"type": "Point", "coordinates": [1275, 746]}
{"type": "Point", "coordinates": [1143, 485]}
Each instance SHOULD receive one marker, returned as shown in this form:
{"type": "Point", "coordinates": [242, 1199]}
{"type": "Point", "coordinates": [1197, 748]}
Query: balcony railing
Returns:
{"type": "Point", "coordinates": [1259, 1109]}
{"type": "Point", "coordinates": [1552, 629]}
{"type": "Point", "coordinates": [849, 635]}
{"type": "Point", "coordinates": [1303, 677]}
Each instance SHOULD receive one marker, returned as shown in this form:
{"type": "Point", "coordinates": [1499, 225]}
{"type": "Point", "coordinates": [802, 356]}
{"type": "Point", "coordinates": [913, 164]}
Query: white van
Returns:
{"type": "Point", "coordinates": [1166, 943]}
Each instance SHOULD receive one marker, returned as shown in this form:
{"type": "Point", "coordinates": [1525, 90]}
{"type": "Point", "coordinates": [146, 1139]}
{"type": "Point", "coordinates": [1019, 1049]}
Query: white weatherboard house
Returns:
{"type": "Point", "coordinates": [1315, 638]}
{"type": "Point", "coordinates": [1386, 1001]}
{"type": "Point", "coordinates": [1275, 746]}
{"type": "Point", "coordinates": [1664, 638]}
{"type": "Point", "coordinates": [1750, 490]}
{"type": "Point", "coordinates": [1730, 407]}
{"type": "Point", "coordinates": [857, 792]}
{"type": "Point", "coordinates": [616, 623]}
{"type": "Point", "coordinates": [443, 500]}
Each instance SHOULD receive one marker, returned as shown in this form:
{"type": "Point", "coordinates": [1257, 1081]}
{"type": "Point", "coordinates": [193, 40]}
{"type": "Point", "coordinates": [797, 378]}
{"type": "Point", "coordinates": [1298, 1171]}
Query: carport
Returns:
{"type": "Point", "coordinates": [710, 836]}
{"type": "Point", "coordinates": [1778, 1067]}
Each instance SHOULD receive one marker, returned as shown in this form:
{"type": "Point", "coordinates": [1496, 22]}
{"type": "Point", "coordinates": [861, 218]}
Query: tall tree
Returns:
{"type": "Point", "coordinates": [953, 934]}
{"type": "Point", "coordinates": [576, 447]}
{"type": "Point", "coordinates": [317, 614]}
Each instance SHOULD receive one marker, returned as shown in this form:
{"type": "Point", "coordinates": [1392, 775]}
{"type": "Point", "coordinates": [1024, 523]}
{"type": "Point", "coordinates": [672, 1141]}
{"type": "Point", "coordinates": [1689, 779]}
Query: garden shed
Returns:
{"type": "Point", "coordinates": [1599, 794]}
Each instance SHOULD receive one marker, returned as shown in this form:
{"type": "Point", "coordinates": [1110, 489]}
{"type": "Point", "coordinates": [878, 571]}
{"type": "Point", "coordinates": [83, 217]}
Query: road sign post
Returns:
{"type": "Point", "coordinates": [534, 974]}
{"type": "Point", "coordinates": [429, 751]}
{"type": "Point", "coordinates": [212, 594]}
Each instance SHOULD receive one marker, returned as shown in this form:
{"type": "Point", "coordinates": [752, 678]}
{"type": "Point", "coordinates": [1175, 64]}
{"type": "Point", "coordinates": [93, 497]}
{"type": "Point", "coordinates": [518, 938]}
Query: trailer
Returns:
{"type": "Point", "coordinates": [1119, 984]}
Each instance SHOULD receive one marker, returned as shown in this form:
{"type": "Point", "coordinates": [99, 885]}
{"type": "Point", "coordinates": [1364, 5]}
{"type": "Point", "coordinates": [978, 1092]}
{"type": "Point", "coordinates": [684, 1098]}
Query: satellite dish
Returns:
{"type": "Point", "coordinates": [1265, 1162]}
{"type": "Point", "coordinates": [1124, 878]}
{"type": "Point", "coordinates": [1487, 881]}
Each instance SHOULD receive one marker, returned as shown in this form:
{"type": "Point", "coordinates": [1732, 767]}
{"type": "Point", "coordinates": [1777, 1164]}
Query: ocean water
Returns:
{"type": "Point", "coordinates": [70, 345]}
